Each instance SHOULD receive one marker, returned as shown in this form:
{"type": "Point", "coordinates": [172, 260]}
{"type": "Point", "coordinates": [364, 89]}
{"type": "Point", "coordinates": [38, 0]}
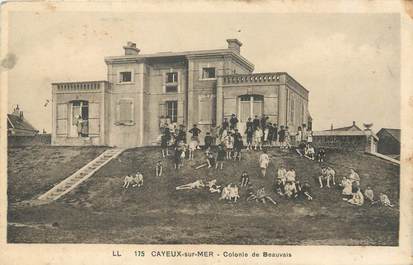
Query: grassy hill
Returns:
{"type": "Point", "coordinates": [100, 211]}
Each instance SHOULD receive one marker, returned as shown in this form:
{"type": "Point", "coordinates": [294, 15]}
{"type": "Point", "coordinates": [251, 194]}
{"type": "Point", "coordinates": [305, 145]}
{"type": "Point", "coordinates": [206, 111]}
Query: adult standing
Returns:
{"type": "Point", "coordinates": [195, 134]}
{"type": "Point", "coordinates": [256, 122]}
{"type": "Point", "coordinates": [281, 136]}
{"type": "Point", "coordinates": [233, 122]}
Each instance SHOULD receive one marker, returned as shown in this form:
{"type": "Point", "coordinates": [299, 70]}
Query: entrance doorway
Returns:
{"type": "Point", "coordinates": [248, 107]}
{"type": "Point", "coordinates": [79, 118]}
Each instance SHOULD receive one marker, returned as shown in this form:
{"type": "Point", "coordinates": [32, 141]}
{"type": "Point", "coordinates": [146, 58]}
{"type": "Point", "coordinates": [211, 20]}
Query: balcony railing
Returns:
{"type": "Point", "coordinates": [251, 78]}
{"type": "Point", "coordinates": [80, 86]}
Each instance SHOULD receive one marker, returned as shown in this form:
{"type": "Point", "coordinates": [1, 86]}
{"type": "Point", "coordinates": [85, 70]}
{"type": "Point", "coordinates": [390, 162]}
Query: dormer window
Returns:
{"type": "Point", "coordinates": [171, 82]}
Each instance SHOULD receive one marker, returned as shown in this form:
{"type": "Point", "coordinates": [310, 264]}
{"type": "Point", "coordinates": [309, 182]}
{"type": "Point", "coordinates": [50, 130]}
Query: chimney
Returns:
{"type": "Point", "coordinates": [331, 128]}
{"type": "Point", "coordinates": [16, 111]}
{"type": "Point", "coordinates": [235, 45]}
{"type": "Point", "coordinates": [130, 49]}
{"type": "Point", "coordinates": [354, 123]}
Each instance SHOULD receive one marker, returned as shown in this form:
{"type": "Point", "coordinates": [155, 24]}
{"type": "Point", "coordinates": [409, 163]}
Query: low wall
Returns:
{"type": "Point", "coordinates": [40, 139]}
{"type": "Point", "coordinates": [349, 143]}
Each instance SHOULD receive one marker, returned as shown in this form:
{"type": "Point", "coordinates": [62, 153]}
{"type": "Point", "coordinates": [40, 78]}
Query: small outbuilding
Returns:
{"type": "Point", "coordinates": [389, 142]}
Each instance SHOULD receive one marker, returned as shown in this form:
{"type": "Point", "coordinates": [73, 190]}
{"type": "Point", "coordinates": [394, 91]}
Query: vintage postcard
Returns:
{"type": "Point", "coordinates": [231, 132]}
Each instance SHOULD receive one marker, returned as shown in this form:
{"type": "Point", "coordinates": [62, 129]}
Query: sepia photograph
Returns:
{"type": "Point", "coordinates": [203, 128]}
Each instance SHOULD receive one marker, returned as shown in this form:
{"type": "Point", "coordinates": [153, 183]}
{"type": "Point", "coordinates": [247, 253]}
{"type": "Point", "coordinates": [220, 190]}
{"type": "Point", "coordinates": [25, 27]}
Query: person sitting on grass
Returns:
{"type": "Point", "coordinates": [259, 196]}
{"type": "Point", "coordinates": [290, 189]}
{"type": "Point", "coordinates": [230, 192]}
{"type": "Point", "coordinates": [357, 199]}
{"type": "Point", "coordinates": [384, 200]}
{"type": "Point", "coordinates": [347, 189]}
{"type": "Point", "coordinates": [353, 175]}
{"type": "Point", "coordinates": [309, 152]}
{"type": "Point", "coordinates": [198, 184]}
{"type": "Point", "coordinates": [368, 193]}
{"type": "Point", "coordinates": [303, 191]}
{"type": "Point", "coordinates": [279, 187]}
{"type": "Point", "coordinates": [220, 157]}
{"type": "Point", "coordinates": [210, 159]}
{"type": "Point", "coordinates": [290, 175]}
{"type": "Point", "coordinates": [301, 149]}
{"type": "Point", "coordinates": [321, 155]}
{"type": "Point", "coordinates": [281, 174]}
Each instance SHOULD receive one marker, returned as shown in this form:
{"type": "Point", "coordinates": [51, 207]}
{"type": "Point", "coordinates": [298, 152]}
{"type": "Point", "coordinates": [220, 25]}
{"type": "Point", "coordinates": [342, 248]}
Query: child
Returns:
{"type": "Point", "coordinates": [210, 159]}
{"type": "Point", "coordinates": [358, 198]}
{"type": "Point", "coordinates": [368, 193]}
{"type": "Point", "coordinates": [385, 200]}
{"type": "Point", "coordinates": [220, 157]}
{"type": "Point", "coordinates": [257, 138]}
{"type": "Point", "coordinates": [279, 187]}
{"type": "Point", "coordinates": [250, 134]}
{"type": "Point", "coordinates": [192, 147]}
{"type": "Point", "coordinates": [290, 189]}
{"type": "Point", "coordinates": [158, 169]}
{"type": "Point", "coordinates": [264, 161]}
{"type": "Point", "coordinates": [245, 179]}
{"type": "Point", "coordinates": [208, 140]}
{"type": "Point", "coordinates": [281, 173]}
{"type": "Point", "coordinates": [304, 191]}
{"type": "Point", "coordinates": [321, 155]}
{"type": "Point", "coordinates": [164, 145]}
{"type": "Point", "coordinates": [237, 145]}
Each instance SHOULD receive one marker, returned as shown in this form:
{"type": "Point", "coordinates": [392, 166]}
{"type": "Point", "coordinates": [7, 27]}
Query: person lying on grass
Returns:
{"type": "Point", "coordinates": [358, 198]}
{"type": "Point", "coordinates": [198, 184]}
{"type": "Point", "coordinates": [230, 192]}
{"type": "Point", "coordinates": [213, 187]}
{"type": "Point", "coordinates": [261, 196]}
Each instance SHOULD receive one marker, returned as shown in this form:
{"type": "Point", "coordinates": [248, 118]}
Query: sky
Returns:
{"type": "Point", "coordinates": [350, 63]}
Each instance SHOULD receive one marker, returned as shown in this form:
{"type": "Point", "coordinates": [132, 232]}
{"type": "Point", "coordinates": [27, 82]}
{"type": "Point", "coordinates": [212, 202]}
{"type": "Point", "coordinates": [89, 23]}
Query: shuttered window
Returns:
{"type": "Point", "coordinates": [61, 119]}
{"type": "Point", "coordinates": [125, 115]}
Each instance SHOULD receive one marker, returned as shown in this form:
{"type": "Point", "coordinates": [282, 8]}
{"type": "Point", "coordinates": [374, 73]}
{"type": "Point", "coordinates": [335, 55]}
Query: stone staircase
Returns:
{"type": "Point", "coordinates": [79, 176]}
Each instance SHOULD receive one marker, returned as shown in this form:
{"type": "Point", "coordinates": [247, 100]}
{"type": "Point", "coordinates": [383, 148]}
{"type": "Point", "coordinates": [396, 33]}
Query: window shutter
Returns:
{"type": "Point", "coordinates": [125, 111]}
{"type": "Point", "coordinates": [94, 119]}
{"type": "Point", "coordinates": [61, 120]}
{"type": "Point", "coordinates": [162, 110]}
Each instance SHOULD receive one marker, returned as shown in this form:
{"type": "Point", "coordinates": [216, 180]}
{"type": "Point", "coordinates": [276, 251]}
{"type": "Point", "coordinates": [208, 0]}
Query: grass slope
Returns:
{"type": "Point", "coordinates": [100, 211]}
{"type": "Point", "coordinates": [33, 170]}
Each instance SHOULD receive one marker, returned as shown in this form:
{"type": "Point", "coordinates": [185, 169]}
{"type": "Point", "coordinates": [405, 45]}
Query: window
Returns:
{"type": "Point", "coordinates": [125, 77]}
{"type": "Point", "coordinates": [208, 72]}
{"type": "Point", "coordinates": [172, 77]}
{"type": "Point", "coordinates": [171, 82]}
{"type": "Point", "coordinates": [172, 110]}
